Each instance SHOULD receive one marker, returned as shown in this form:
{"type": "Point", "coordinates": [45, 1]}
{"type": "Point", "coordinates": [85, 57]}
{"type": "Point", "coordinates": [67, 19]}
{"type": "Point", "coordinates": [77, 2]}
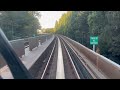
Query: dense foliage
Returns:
{"type": "Point", "coordinates": [19, 24]}
{"type": "Point", "coordinates": [80, 25]}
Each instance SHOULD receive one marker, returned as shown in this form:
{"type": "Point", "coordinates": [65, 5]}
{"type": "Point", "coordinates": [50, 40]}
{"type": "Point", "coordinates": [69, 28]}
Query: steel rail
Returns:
{"type": "Point", "coordinates": [71, 61]}
{"type": "Point", "coordinates": [43, 74]}
{"type": "Point", "coordinates": [82, 75]}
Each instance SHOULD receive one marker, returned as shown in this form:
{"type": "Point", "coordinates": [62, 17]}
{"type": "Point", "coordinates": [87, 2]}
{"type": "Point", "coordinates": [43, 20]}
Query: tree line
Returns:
{"type": "Point", "coordinates": [80, 25]}
{"type": "Point", "coordinates": [19, 24]}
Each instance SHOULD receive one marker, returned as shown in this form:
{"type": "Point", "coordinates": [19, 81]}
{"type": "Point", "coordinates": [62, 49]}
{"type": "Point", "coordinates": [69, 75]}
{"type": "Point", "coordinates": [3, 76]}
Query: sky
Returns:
{"type": "Point", "coordinates": [48, 18]}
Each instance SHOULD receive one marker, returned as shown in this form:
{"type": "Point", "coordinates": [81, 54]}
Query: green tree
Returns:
{"type": "Point", "coordinates": [19, 24]}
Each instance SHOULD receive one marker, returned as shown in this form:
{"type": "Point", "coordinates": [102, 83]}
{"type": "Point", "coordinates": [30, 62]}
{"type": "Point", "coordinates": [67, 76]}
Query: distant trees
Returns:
{"type": "Point", "coordinates": [80, 25]}
{"type": "Point", "coordinates": [98, 25]}
{"type": "Point", "coordinates": [48, 30]}
{"type": "Point", "coordinates": [114, 25]}
{"type": "Point", "coordinates": [75, 26]}
{"type": "Point", "coordinates": [19, 24]}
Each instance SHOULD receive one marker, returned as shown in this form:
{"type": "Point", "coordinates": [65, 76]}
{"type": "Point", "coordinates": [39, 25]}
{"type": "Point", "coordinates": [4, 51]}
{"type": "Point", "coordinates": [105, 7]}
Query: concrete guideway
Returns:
{"type": "Point", "coordinates": [68, 56]}
{"type": "Point", "coordinates": [60, 67]}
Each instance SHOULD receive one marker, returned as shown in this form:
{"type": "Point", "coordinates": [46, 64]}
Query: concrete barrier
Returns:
{"type": "Point", "coordinates": [33, 42]}
{"type": "Point", "coordinates": [26, 42]}
{"type": "Point", "coordinates": [49, 36]}
{"type": "Point", "coordinates": [107, 66]}
{"type": "Point", "coordinates": [18, 46]}
{"type": "Point", "coordinates": [43, 39]}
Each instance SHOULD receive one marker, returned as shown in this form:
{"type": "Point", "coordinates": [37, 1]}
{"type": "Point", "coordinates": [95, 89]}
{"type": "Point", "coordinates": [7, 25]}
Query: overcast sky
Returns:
{"type": "Point", "coordinates": [48, 18]}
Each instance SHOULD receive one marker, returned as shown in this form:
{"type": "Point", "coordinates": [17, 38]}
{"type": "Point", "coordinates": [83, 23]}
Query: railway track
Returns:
{"type": "Point", "coordinates": [70, 64]}
{"type": "Point", "coordinates": [50, 68]}
{"type": "Point", "coordinates": [45, 66]}
{"type": "Point", "coordinates": [79, 68]}
{"type": "Point", "coordinates": [69, 68]}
